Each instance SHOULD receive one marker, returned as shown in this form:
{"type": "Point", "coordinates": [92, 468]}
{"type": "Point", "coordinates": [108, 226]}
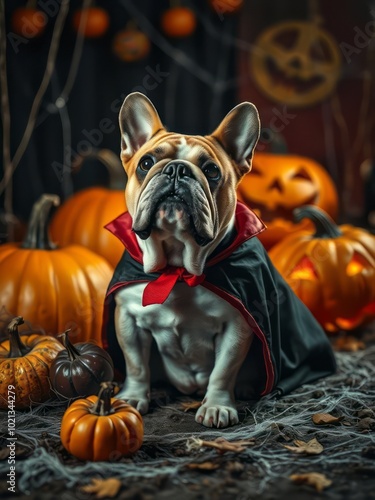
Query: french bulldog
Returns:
{"type": "Point", "coordinates": [177, 286]}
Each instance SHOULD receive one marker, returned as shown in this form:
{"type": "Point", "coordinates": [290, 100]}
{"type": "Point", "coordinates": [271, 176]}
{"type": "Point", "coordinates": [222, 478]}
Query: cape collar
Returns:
{"type": "Point", "coordinates": [247, 225]}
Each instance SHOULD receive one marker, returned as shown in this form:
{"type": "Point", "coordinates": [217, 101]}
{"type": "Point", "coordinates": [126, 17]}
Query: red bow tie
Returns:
{"type": "Point", "coordinates": [157, 291]}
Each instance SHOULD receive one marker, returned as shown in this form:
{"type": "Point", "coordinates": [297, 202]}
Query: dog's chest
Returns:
{"type": "Point", "coordinates": [184, 327]}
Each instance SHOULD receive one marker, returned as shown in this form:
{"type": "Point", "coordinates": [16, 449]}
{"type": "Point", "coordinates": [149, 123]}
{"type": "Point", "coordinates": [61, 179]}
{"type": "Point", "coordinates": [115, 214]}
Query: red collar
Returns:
{"type": "Point", "coordinates": [247, 225]}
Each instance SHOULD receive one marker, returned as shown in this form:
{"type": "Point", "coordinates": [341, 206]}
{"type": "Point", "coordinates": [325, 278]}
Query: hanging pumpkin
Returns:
{"type": "Point", "coordinates": [79, 369]}
{"type": "Point", "coordinates": [81, 219]}
{"type": "Point", "coordinates": [277, 184]}
{"type": "Point", "coordinates": [178, 22]}
{"type": "Point", "coordinates": [226, 6]}
{"type": "Point", "coordinates": [332, 270]}
{"type": "Point", "coordinates": [131, 45]}
{"type": "Point", "coordinates": [24, 367]}
{"type": "Point", "coordinates": [101, 428]}
{"type": "Point", "coordinates": [95, 22]}
{"type": "Point", "coordinates": [56, 288]}
{"type": "Point", "coordinates": [297, 63]}
{"type": "Point", "coordinates": [29, 22]}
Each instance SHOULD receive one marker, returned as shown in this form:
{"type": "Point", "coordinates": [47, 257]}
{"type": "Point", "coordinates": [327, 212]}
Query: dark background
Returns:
{"type": "Point", "coordinates": [202, 77]}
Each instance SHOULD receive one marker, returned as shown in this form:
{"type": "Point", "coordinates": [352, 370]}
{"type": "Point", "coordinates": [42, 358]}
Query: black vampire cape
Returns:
{"type": "Point", "coordinates": [289, 347]}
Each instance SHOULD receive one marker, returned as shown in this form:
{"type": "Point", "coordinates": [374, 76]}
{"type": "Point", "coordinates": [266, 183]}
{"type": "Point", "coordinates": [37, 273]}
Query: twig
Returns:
{"type": "Point", "coordinates": [50, 66]}
{"type": "Point", "coordinates": [5, 112]}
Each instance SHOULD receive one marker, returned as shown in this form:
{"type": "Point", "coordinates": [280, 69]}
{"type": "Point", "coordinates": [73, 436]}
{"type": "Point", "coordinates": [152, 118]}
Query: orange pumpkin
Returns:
{"type": "Point", "coordinates": [95, 24]}
{"type": "Point", "coordinates": [101, 428]}
{"type": "Point", "coordinates": [277, 184]}
{"type": "Point", "coordinates": [226, 6]}
{"type": "Point", "coordinates": [332, 270]}
{"type": "Point", "coordinates": [24, 367]}
{"type": "Point", "coordinates": [178, 22]}
{"type": "Point", "coordinates": [29, 22]}
{"type": "Point", "coordinates": [55, 288]}
{"type": "Point", "coordinates": [131, 45]}
{"type": "Point", "coordinates": [81, 219]}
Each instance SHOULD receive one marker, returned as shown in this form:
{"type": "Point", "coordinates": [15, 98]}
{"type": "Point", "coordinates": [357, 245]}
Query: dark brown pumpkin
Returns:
{"type": "Point", "coordinates": [79, 369]}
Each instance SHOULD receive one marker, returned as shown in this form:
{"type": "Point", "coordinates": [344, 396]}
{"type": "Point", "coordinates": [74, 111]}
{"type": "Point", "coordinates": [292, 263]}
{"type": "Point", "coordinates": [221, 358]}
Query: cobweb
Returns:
{"type": "Point", "coordinates": [348, 394]}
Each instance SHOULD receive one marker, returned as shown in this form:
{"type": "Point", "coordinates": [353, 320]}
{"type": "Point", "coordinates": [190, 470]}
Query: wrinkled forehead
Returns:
{"type": "Point", "coordinates": [195, 149]}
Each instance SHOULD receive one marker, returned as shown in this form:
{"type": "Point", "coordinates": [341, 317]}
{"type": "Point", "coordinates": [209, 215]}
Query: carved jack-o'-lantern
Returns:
{"type": "Point", "coordinates": [277, 184]}
{"type": "Point", "coordinates": [296, 63]}
{"type": "Point", "coordinates": [332, 270]}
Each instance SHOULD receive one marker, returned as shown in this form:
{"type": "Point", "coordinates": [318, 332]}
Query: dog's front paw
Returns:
{"type": "Point", "coordinates": [139, 403]}
{"type": "Point", "coordinates": [216, 415]}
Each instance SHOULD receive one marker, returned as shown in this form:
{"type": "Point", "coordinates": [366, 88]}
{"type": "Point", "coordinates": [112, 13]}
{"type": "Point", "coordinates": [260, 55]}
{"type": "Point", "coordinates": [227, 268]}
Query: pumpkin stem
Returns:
{"type": "Point", "coordinates": [325, 227]}
{"type": "Point", "coordinates": [117, 175]}
{"type": "Point", "coordinates": [17, 348]}
{"type": "Point", "coordinates": [72, 351]}
{"type": "Point", "coordinates": [37, 235]}
{"type": "Point", "coordinates": [103, 404]}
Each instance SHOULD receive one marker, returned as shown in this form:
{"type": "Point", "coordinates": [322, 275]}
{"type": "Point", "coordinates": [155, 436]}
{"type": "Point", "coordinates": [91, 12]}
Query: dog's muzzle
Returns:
{"type": "Point", "coordinates": [176, 188]}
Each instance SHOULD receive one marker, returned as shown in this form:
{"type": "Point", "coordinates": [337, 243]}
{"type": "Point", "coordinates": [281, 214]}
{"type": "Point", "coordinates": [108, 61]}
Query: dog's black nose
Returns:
{"type": "Point", "coordinates": [177, 170]}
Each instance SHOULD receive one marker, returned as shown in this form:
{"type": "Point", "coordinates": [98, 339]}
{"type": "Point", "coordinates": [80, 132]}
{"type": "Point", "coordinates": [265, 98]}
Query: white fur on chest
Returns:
{"type": "Point", "coordinates": [186, 329]}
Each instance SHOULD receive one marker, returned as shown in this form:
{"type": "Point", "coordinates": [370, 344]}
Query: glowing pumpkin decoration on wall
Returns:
{"type": "Point", "coordinates": [277, 184]}
{"type": "Point", "coordinates": [296, 63]}
{"type": "Point", "coordinates": [332, 270]}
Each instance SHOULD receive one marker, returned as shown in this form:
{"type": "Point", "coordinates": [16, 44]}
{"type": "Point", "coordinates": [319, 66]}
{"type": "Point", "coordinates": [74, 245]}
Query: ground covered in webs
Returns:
{"type": "Point", "coordinates": [176, 462]}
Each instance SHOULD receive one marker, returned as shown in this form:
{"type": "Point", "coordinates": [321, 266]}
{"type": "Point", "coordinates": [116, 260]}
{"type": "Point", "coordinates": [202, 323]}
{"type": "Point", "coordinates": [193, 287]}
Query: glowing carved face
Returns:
{"type": "Point", "coordinates": [334, 277]}
{"type": "Point", "coordinates": [277, 184]}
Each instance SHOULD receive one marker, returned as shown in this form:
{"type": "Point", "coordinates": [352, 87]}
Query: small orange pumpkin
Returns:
{"type": "Point", "coordinates": [81, 219]}
{"type": "Point", "coordinates": [277, 184]}
{"type": "Point", "coordinates": [29, 22]}
{"type": "Point", "coordinates": [24, 367]}
{"type": "Point", "coordinates": [178, 22]}
{"type": "Point", "coordinates": [226, 6]}
{"type": "Point", "coordinates": [332, 270]}
{"type": "Point", "coordinates": [101, 428]}
{"type": "Point", "coordinates": [131, 45]}
{"type": "Point", "coordinates": [95, 24]}
{"type": "Point", "coordinates": [57, 288]}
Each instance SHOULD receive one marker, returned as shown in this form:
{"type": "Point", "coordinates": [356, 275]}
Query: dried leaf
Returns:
{"type": "Point", "coordinates": [190, 405]}
{"type": "Point", "coordinates": [220, 444]}
{"type": "Point", "coordinates": [312, 447]}
{"type": "Point", "coordinates": [235, 467]}
{"type": "Point", "coordinates": [103, 488]}
{"type": "Point", "coordinates": [203, 466]}
{"type": "Point", "coordinates": [325, 419]}
{"type": "Point", "coordinates": [315, 479]}
{"type": "Point", "coordinates": [349, 344]}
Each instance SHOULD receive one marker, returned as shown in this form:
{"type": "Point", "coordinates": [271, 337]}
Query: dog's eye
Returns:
{"type": "Point", "coordinates": [211, 171]}
{"type": "Point", "coordinates": [146, 163]}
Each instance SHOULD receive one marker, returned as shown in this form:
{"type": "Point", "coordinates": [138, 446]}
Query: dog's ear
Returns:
{"type": "Point", "coordinates": [238, 133]}
{"type": "Point", "coordinates": [139, 121]}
